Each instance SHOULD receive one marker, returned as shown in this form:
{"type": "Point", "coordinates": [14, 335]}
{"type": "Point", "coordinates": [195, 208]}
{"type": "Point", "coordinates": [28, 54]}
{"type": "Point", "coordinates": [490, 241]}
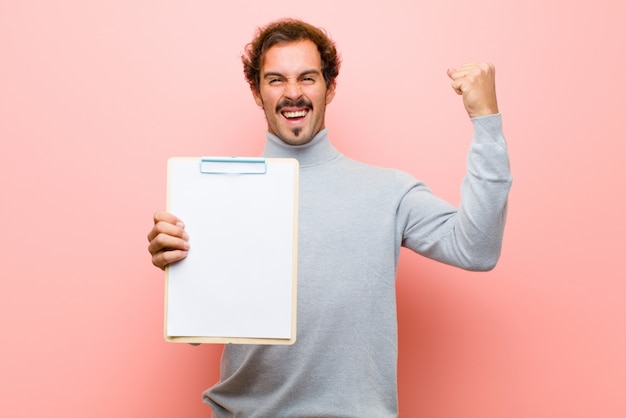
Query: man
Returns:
{"type": "Point", "coordinates": [353, 220]}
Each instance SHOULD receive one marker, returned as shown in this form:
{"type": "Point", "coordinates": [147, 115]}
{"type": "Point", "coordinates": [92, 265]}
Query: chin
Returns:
{"type": "Point", "coordinates": [296, 141]}
{"type": "Point", "coordinates": [296, 137]}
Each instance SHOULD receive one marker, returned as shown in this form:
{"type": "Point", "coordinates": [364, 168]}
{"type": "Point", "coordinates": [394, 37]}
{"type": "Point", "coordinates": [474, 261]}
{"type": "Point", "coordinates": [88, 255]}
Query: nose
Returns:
{"type": "Point", "coordinates": [293, 90]}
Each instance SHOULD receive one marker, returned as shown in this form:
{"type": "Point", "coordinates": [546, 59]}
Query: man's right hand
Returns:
{"type": "Point", "coordinates": [168, 240]}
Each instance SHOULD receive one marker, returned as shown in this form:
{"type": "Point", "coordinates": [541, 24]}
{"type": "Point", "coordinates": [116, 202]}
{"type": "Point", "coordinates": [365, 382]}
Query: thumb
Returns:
{"type": "Point", "coordinates": [457, 81]}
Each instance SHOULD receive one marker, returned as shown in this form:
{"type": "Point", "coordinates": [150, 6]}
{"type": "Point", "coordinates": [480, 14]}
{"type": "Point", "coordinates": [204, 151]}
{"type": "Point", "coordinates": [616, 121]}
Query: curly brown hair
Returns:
{"type": "Point", "coordinates": [289, 30]}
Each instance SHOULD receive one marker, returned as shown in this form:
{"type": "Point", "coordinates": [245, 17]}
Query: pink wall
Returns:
{"type": "Point", "coordinates": [94, 96]}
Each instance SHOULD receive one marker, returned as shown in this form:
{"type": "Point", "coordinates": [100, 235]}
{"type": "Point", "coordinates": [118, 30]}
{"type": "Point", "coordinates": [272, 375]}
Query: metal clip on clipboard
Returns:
{"type": "Point", "coordinates": [232, 165]}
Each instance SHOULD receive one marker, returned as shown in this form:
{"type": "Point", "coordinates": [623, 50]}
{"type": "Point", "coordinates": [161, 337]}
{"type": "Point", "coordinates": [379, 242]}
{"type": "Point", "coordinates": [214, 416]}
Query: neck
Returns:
{"type": "Point", "coordinates": [317, 151]}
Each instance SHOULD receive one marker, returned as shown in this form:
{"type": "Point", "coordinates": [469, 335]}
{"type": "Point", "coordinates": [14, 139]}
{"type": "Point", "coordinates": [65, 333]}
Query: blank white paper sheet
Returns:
{"type": "Point", "coordinates": [238, 281]}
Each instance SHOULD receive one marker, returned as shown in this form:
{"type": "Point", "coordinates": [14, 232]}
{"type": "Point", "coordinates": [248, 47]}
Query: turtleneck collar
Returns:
{"type": "Point", "coordinates": [318, 151]}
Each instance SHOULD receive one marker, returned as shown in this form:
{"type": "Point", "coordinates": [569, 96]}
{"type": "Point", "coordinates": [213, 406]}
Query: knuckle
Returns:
{"type": "Point", "coordinates": [161, 228]}
{"type": "Point", "coordinates": [168, 257]}
{"type": "Point", "coordinates": [160, 240]}
{"type": "Point", "coordinates": [487, 67]}
{"type": "Point", "coordinates": [156, 260]}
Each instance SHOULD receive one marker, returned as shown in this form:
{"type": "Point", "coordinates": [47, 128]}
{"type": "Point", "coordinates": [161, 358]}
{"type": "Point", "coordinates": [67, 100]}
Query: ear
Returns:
{"type": "Point", "coordinates": [330, 92]}
{"type": "Point", "coordinates": [257, 97]}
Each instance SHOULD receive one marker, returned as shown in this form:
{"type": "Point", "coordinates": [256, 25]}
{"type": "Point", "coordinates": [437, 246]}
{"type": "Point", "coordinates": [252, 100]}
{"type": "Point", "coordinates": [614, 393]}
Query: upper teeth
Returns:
{"type": "Point", "coordinates": [298, 114]}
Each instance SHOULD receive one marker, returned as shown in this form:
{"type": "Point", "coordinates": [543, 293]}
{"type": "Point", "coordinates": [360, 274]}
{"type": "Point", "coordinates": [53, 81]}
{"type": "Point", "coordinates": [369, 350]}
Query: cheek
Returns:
{"type": "Point", "coordinates": [264, 98]}
{"type": "Point", "coordinates": [269, 103]}
{"type": "Point", "coordinates": [320, 97]}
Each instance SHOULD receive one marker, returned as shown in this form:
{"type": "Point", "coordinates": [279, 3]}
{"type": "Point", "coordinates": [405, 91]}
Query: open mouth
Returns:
{"type": "Point", "coordinates": [295, 115]}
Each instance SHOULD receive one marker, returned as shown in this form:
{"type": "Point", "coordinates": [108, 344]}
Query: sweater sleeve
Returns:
{"type": "Point", "coordinates": [470, 236]}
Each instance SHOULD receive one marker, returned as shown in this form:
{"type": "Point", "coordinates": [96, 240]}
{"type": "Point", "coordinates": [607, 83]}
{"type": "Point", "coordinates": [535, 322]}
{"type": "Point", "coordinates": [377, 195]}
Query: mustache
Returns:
{"type": "Point", "coordinates": [290, 103]}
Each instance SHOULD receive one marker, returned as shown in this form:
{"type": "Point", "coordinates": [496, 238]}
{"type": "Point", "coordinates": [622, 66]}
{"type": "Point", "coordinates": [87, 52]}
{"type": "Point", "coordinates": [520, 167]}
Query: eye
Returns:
{"type": "Point", "coordinates": [308, 80]}
{"type": "Point", "coordinates": [274, 81]}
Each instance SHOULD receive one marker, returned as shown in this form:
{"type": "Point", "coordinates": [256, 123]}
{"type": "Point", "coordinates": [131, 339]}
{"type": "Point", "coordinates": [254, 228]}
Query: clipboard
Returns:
{"type": "Point", "coordinates": [238, 283]}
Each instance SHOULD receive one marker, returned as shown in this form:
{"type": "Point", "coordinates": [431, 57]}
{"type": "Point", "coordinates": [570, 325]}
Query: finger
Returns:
{"type": "Point", "coordinates": [457, 86]}
{"type": "Point", "coordinates": [464, 70]}
{"type": "Point", "coordinates": [163, 216]}
{"type": "Point", "coordinates": [466, 65]}
{"type": "Point", "coordinates": [475, 70]}
{"type": "Point", "coordinates": [167, 223]}
{"type": "Point", "coordinates": [165, 242]}
{"type": "Point", "coordinates": [165, 258]}
{"type": "Point", "coordinates": [167, 229]}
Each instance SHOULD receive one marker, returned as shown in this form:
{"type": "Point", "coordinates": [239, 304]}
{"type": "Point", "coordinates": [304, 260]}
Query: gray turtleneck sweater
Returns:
{"type": "Point", "coordinates": [353, 219]}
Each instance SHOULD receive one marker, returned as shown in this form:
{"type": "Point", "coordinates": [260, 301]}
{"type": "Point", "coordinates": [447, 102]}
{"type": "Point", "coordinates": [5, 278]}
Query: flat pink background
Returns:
{"type": "Point", "coordinates": [95, 96]}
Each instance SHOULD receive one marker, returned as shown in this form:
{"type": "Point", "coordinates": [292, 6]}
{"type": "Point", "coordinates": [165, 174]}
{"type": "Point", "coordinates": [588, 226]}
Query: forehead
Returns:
{"type": "Point", "coordinates": [292, 57]}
